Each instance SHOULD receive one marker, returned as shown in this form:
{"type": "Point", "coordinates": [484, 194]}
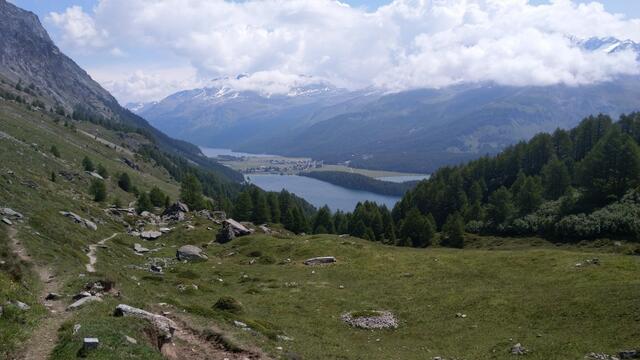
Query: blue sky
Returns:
{"type": "Point", "coordinates": [630, 8]}
{"type": "Point", "coordinates": [145, 50]}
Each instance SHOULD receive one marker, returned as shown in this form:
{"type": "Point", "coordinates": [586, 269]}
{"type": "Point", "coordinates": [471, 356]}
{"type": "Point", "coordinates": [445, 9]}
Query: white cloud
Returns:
{"type": "Point", "coordinates": [145, 85]}
{"type": "Point", "coordinates": [79, 30]}
{"type": "Point", "coordinates": [406, 44]}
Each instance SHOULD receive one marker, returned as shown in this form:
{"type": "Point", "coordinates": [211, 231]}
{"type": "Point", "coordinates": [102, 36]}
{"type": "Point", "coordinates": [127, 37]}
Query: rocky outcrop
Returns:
{"type": "Point", "coordinates": [230, 230]}
{"type": "Point", "coordinates": [371, 320]}
{"type": "Point", "coordinates": [176, 211]}
{"type": "Point", "coordinates": [320, 260]}
{"type": "Point", "coordinates": [79, 220]}
{"type": "Point", "coordinates": [190, 253]}
{"type": "Point", "coordinates": [163, 325]}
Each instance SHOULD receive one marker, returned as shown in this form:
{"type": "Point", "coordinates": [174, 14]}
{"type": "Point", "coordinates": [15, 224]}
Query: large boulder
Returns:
{"type": "Point", "coordinates": [225, 235]}
{"type": "Point", "coordinates": [162, 324]}
{"type": "Point", "coordinates": [10, 213]}
{"type": "Point", "coordinates": [190, 253]}
{"type": "Point", "coordinates": [176, 211]}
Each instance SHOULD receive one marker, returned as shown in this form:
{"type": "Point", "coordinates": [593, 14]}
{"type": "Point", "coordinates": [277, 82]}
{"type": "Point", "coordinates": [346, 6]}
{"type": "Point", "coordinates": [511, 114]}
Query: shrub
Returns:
{"type": "Point", "coordinates": [228, 304]}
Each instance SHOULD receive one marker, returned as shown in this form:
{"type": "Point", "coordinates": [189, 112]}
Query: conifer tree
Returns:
{"type": "Point", "coordinates": [143, 203]}
{"type": "Point", "coordinates": [555, 178]}
{"type": "Point", "coordinates": [243, 210]}
{"type": "Point", "coordinates": [87, 164]}
{"type": "Point", "coordinates": [191, 192]}
{"type": "Point", "coordinates": [453, 232]}
{"type": "Point", "coordinates": [98, 189]}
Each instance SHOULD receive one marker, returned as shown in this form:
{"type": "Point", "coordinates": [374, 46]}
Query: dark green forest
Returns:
{"type": "Point", "coordinates": [566, 186]}
{"type": "Point", "coordinates": [361, 182]}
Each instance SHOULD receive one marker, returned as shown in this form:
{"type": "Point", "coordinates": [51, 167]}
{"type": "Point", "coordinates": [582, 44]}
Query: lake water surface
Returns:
{"type": "Point", "coordinates": [319, 193]}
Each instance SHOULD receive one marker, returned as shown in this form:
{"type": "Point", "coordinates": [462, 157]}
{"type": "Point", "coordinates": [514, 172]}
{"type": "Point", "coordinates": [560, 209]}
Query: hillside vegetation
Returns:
{"type": "Point", "coordinates": [361, 182]}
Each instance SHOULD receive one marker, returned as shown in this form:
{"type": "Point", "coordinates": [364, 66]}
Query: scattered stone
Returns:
{"type": "Point", "coordinates": [518, 349]}
{"type": "Point", "coordinates": [52, 296]}
{"type": "Point", "coordinates": [131, 164]}
{"type": "Point", "coordinates": [240, 324]}
{"type": "Point", "coordinates": [140, 249]}
{"type": "Point", "coordinates": [130, 340]}
{"type": "Point", "coordinates": [156, 269]}
{"type": "Point", "coordinates": [461, 315]}
{"type": "Point", "coordinates": [150, 235]}
{"type": "Point", "coordinates": [76, 328]}
{"type": "Point", "coordinates": [284, 338]}
{"type": "Point", "coordinates": [165, 230]}
{"type": "Point", "coordinates": [190, 253]}
{"type": "Point", "coordinates": [90, 343]}
{"type": "Point", "coordinates": [81, 295]}
{"type": "Point", "coordinates": [342, 236]}
{"type": "Point", "coordinates": [264, 229]}
{"type": "Point", "coordinates": [189, 227]}
{"type": "Point", "coordinates": [79, 220]}
{"type": "Point", "coordinates": [176, 212]}
{"type": "Point", "coordinates": [320, 260]}
{"type": "Point", "coordinates": [20, 305]}
{"type": "Point", "coordinates": [162, 324]}
{"type": "Point", "coordinates": [10, 213]}
{"type": "Point", "coordinates": [90, 225]}
{"type": "Point", "coordinates": [371, 320]}
{"type": "Point", "coordinates": [82, 302]}
{"type": "Point", "coordinates": [95, 175]}
{"type": "Point", "coordinates": [7, 221]}
{"type": "Point", "coordinates": [629, 354]}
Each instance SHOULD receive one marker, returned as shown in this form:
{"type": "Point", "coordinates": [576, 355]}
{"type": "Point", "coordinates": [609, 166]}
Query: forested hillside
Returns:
{"type": "Point", "coordinates": [362, 182]}
{"type": "Point", "coordinates": [565, 186]}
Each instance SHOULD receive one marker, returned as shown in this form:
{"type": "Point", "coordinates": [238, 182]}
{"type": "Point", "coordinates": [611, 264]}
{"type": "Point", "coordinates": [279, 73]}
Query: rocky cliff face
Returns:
{"type": "Point", "coordinates": [27, 54]}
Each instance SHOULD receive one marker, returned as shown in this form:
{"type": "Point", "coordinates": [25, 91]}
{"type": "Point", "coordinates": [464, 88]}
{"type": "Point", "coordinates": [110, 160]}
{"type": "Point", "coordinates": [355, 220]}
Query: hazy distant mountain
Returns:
{"type": "Point", "coordinates": [416, 130]}
{"type": "Point", "coordinates": [222, 116]}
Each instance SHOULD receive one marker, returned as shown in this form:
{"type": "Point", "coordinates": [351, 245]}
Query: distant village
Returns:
{"type": "Point", "coordinates": [283, 166]}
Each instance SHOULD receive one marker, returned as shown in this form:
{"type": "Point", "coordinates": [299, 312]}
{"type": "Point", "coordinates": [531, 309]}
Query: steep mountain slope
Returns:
{"type": "Point", "coordinates": [30, 60]}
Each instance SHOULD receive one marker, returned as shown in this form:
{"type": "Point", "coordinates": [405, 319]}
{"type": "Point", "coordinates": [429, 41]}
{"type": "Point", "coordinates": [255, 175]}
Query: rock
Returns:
{"type": "Point", "coordinates": [629, 354]}
{"type": "Point", "coordinates": [190, 253]}
{"type": "Point", "coordinates": [162, 324]}
{"type": "Point", "coordinates": [81, 295]}
{"type": "Point", "coordinates": [150, 235]}
{"type": "Point", "coordinates": [518, 349]}
{"type": "Point", "coordinates": [90, 225]}
{"type": "Point", "coordinates": [11, 213]}
{"type": "Point", "coordinates": [139, 248]}
{"type": "Point", "coordinates": [237, 228]}
{"type": "Point", "coordinates": [22, 306]}
{"type": "Point", "coordinates": [240, 324]}
{"type": "Point", "coordinates": [82, 302]}
{"type": "Point", "coordinates": [156, 269]}
{"type": "Point", "coordinates": [374, 320]}
{"type": "Point", "coordinates": [165, 230]}
{"type": "Point", "coordinates": [76, 328]}
{"type": "Point", "coordinates": [130, 340]}
{"type": "Point", "coordinates": [95, 175]}
{"type": "Point", "coordinates": [320, 260]}
{"type": "Point", "coordinates": [189, 227]}
{"type": "Point", "coordinates": [90, 343]}
{"type": "Point", "coordinates": [461, 315]}
{"type": "Point", "coordinates": [52, 296]}
{"type": "Point", "coordinates": [264, 229]}
{"type": "Point", "coordinates": [176, 211]}
{"type": "Point", "coordinates": [7, 221]}
{"type": "Point", "coordinates": [225, 235]}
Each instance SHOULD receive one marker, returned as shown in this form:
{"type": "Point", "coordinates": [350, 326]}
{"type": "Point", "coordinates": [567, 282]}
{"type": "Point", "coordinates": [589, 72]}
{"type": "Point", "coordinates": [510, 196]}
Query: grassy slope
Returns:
{"type": "Point", "coordinates": [533, 295]}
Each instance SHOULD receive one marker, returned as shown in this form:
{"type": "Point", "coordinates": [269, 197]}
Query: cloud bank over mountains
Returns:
{"type": "Point", "coordinates": [406, 44]}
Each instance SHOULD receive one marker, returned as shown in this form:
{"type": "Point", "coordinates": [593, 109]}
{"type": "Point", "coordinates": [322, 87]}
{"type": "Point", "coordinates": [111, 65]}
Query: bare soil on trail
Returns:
{"type": "Point", "coordinates": [190, 344]}
{"type": "Point", "coordinates": [45, 335]}
{"type": "Point", "coordinates": [93, 257]}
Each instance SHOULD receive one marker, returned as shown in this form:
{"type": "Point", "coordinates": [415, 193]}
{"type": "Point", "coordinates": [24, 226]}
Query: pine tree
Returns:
{"type": "Point", "coordinates": [274, 207]}
{"type": "Point", "coordinates": [555, 178]}
{"type": "Point", "coordinates": [417, 230]}
{"type": "Point", "coordinates": [260, 209]}
{"type": "Point", "coordinates": [157, 197]}
{"type": "Point", "coordinates": [500, 207]}
{"type": "Point", "coordinates": [144, 203]}
{"type": "Point", "coordinates": [323, 223]}
{"type": "Point", "coordinates": [191, 192]}
{"type": "Point", "coordinates": [243, 209]}
{"type": "Point", "coordinates": [611, 168]}
{"type": "Point", "coordinates": [529, 197]}
{"type": "Point", "coordinates": [87, 164]}
{"type": "Point", "coordinates": [124, 182]}
{"type": "Point", "coordinates": [54, 150]}
{"type": "Point", "coordinates": [453, 232]}
{"type": "Point", "coordinates": [98, 189]}
{"type": "Point", "coordinates": [102, 171]}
